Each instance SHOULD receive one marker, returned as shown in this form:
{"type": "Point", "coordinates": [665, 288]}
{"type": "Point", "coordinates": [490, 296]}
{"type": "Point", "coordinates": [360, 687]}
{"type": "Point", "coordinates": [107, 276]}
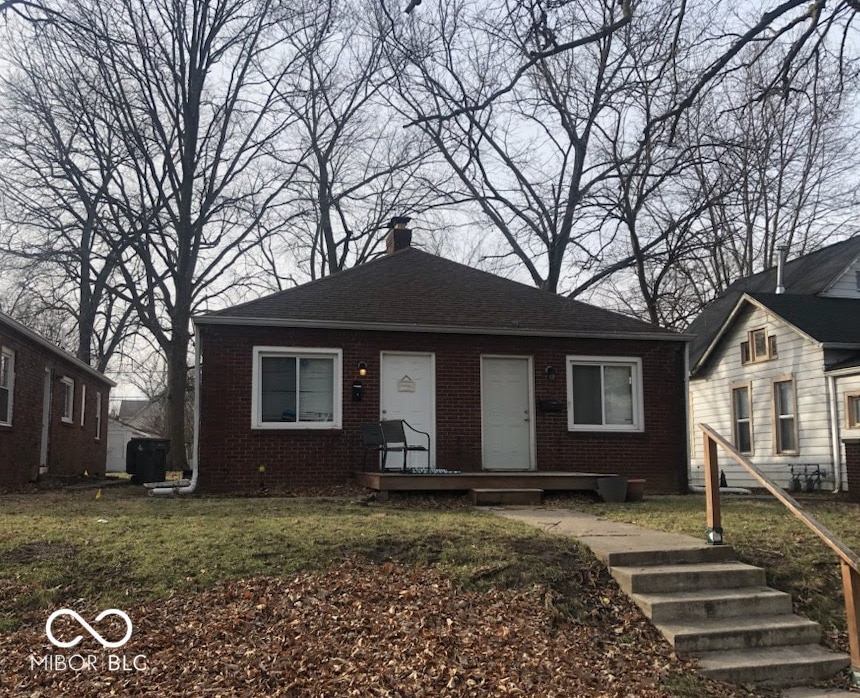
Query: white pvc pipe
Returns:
{"type": "Point", "coordinates": [835, 444]}
{"type": "Point", "coordinates": [192, 485]}
{"type": "Point", "coordinates": [723, 490]}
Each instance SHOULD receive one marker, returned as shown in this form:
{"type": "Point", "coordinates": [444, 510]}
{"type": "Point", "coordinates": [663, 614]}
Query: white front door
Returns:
{"type": "Point", "coordinates": [408, 391]}
{"type": "Point", "coordinates": [506, 413]}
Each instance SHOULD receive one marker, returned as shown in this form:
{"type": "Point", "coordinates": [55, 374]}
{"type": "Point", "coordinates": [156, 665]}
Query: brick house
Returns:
{"type": "Point", "coordinates": [503, 377]}
{"type": "Point", "coordinates": [53, 409]}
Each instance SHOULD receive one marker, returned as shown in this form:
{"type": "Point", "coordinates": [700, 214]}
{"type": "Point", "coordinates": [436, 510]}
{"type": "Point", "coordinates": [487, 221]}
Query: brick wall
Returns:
{"type": "Point", "coordinates": [231, 453]}
{"type": "Point", "coordinates": [72, 448]}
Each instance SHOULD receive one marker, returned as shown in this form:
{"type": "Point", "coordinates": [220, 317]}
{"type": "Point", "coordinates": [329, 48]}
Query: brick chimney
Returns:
{"type": "Point", "coordinates": [399, 236]}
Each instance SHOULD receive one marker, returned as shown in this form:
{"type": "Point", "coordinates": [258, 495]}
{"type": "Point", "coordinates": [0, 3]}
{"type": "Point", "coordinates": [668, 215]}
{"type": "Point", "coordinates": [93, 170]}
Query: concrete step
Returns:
{"type": "Point", "coordinates": [647, 557]}
{"type": "Point", "coordinates": [806, 692]}
{"type": "Point", "coordinates": [713, 603]}
{"type": "Point", "coordinates": [484, 496]}
{"type": "Point", "coordinates": [739, 633]}
{"type": "Point", "coordinates": [790, 665]}
{"type": "Point", "coordinates": [692, 577]}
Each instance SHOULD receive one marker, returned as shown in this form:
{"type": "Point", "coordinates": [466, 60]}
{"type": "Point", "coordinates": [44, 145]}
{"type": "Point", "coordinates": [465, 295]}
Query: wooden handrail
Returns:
{"type": "Point", "coordinates": [849, 561]}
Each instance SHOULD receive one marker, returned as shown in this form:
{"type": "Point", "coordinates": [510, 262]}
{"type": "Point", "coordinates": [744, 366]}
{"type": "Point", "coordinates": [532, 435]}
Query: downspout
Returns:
{"type": "Point", "coordinates": [191, 486]}
{"type": "Point", "coordinates": [835, 443]}
{"type": "Point", "coordinates": [689, 404]}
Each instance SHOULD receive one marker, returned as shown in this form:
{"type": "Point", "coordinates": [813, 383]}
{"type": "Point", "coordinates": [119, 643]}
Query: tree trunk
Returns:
{"type": "Point", "coordinates": [177, 387]}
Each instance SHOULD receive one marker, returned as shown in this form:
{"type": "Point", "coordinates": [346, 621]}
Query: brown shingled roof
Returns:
{"type": "Point", "coordinates": [414, 290]}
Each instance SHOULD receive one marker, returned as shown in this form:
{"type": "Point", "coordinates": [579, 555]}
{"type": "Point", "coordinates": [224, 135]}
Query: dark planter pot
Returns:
{"type": "Point", "coordinates": [635, 490]}
{"type": "Point", "coordinates": [612, 488]}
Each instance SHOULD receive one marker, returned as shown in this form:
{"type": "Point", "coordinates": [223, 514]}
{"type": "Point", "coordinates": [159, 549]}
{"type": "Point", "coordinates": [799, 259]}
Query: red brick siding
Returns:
{"type": "Point", "coordinates": [852, 468]}
{"type": "Point", "coordinates": [231, 452]}
{"type": "Point", "coordinates": [72, 449]}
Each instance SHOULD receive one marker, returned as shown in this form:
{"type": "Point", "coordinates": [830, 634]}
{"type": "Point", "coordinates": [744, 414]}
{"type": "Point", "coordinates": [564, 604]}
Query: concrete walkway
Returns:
{"type": "Point", "coordinates": [616, 543]}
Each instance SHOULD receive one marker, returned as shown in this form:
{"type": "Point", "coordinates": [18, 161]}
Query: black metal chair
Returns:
{"type": "Point", "coordinates": [394, 437]}
{"type": "Point", "coordinates": [373, 439]}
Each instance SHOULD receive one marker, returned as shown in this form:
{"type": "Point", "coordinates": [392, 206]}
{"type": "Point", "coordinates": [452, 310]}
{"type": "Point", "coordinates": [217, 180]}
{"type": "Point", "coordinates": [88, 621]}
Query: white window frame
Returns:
{"type": "Point", "coordinates": [635, 365]}
{"type": "Point", "coordinates": [747, 386]}
{"type": "Point", "coordinates": [83, 404]}
{"type": "Point", "coordinates": [98, 415]}
{"type": "Point", "coordinates": [778, 417]}
{"type": "Point", "coordinates": [9, 355]}
{"type": "Point", "coordinates": [261, 352]}
{"type": "Point", "coordinates": [851, 399]}
{"type": "Point", "coordinates": [68, 414]}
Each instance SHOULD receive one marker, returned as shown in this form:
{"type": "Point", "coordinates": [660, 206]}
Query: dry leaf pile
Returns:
{"type": "Point", "coordinates": [362, 629]}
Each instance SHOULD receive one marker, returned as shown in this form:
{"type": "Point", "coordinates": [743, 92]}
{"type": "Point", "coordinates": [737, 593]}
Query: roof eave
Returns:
{"type": "Point", "coordinates": [62, 353]}
{"type": "Point", "coordinates": [443, 329]}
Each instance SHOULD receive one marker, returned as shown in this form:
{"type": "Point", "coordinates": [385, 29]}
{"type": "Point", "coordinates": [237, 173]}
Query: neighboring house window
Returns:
{"type": "Point", "coordinates": [758, 347]}
{"type": "Point", "coordinates": [7, 384]}
{"type": "Point", "coordinates": [68, 399]}
{"type": "Point", "coordinates": [296, 388]}
{"type": "Point", "coordinates": [604, 393]}
{"type": "Point", "coordinates": [83, 404]}
{"type": "Point", "coordinates": [98, 416]}
{"type": "Point", "coordinates": [742, 425]}
{"type": "Point", "coordinates": [852, 410]}
{"type": "Point", "coordinates": [785, 421]}
{"type": "Point", "coordinates": [857, 280]}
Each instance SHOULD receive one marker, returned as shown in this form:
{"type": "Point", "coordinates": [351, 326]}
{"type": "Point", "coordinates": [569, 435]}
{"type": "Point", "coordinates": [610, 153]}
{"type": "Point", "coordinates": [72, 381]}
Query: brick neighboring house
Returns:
{"type": "Point", "coordinates": [503, 377]}
{"type": "Point", "coordinates": [53, 409]}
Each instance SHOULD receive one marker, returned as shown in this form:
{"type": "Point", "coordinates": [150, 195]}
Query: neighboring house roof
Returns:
{"type": "Point", "coordinates": [131, 407]}
{"type": "Point", "coordinates": [53, 349]}
{"type": "Point", "coordinates": [808, 275]}
{"type": "Point", "coordinates": [412, 290]}
{"type": "Point", "coordinates": [827, 320]}
{"type": "Point", "coordinates": [117, 424]}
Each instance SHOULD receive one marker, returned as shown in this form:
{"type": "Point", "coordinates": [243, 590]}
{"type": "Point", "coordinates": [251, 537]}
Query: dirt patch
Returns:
{"type": "Point", "coordinates": [37, 551]}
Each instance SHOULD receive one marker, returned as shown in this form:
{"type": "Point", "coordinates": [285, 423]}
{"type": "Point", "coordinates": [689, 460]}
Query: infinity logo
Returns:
{"type": "Point", "coordinates": [88, 628]}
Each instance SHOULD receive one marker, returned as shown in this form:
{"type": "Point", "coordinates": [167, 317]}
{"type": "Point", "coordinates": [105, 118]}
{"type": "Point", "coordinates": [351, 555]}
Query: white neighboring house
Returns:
{"type": "Point", "coordinates": [118, 435]}
{"type": "Point", "coordinates": [778, 373]}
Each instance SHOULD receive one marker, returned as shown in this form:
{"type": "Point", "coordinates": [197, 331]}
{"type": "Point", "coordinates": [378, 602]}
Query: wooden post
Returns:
{"type": "Point", "coordinates": [851, 590]}
{"type": "Point", "coordinates": [712, 492]}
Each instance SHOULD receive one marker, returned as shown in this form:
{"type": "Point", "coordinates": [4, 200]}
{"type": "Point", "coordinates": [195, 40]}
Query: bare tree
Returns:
{"type": "Point", "coordinates": [58, 159]}
{"type": "Point", "coordinates": [785, 164]}
{"type": "Point", "coordinates": [355, 168]}
{"type": "Point", "coordinates": [531, 153]}
{"type": "Point", "coordinates": [191, 90]}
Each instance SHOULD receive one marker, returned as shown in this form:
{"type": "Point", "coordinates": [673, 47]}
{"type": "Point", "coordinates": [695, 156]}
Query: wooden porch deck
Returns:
{"type": "Point", "coordinates": [424, 482]}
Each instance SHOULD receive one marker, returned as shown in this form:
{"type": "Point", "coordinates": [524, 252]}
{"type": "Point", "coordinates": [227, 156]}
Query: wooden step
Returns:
{"type": "Point", "coordinates": [485, 496]}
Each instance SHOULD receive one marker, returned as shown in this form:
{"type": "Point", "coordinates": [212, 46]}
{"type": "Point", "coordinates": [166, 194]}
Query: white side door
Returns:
{"type": "Point", "coordinates": [408, 391]}
{"type": "Point", "coordinates": [506, 413]}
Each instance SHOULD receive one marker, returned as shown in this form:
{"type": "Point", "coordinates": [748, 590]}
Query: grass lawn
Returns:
{"type": "Point", "coordinates": [225, 572]}
{"type": "Point", "coordinates": [126, 547]}
{"type": "Point", "coordinates": [766, 534]}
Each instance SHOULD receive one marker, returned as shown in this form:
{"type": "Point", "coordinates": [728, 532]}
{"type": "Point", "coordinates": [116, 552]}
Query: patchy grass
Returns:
{"type": "Point", "coordinates": [126, 548]}
{"type": "Point", "coordinates": [766, 534]}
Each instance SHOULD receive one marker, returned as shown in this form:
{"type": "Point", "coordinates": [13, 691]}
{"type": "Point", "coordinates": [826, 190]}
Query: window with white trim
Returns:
{"type": "Point", "coordinates": [7, 384]}
{"type": "Point", "coordinates": [296, 388]}
{"type": "Point", "coordinates": [852, 410]}
{"type": "Point", "coordinates": [83, 404]}
{"type": "Point", "coordinates": [742, 426]}
{"type": "Point", "coordinates": [785, 423]}
{"type": "Point", "coordinates": [604, 393]}
{"type": "Point", "coordinates": [68, 396]}
{"type": "Point", "coordinates": [98, 416]}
